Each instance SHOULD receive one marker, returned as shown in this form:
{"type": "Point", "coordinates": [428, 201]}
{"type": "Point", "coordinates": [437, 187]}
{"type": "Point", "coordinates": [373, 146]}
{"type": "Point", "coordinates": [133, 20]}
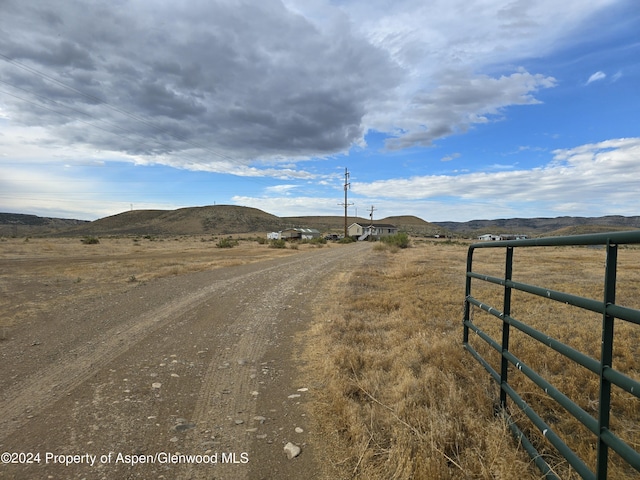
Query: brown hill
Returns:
{"type": "Point", "coordinates": [229, 219]}
{"type": "Point", "coordinates": [215, 219]}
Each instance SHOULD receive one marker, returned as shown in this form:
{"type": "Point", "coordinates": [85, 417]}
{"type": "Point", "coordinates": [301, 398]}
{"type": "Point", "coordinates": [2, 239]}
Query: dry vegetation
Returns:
{"type": "Point", "coordinates": [38, 273]}
{"type": "Point", "coordinates": [401, 399]}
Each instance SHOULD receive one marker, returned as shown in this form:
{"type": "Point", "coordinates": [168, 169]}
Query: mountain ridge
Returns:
{"type": "Point", "coordinates": [541, 225]}
{"type": "Point", "coordinates": [232, 219]}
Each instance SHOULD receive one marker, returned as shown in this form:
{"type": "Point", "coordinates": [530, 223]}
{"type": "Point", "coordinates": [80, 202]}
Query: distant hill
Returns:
{"type": "Point", "coordinates": [215, 219]}
{"type": "Point", "coordinates": [14, 224]}
{"type": "Point", "coordinates": [538, 226]}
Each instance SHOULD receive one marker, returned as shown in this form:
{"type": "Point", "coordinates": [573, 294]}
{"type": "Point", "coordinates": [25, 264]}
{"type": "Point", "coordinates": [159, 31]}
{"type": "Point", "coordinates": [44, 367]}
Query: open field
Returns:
{"type": "Point", "coordinates": [403, 400]}
{"type": "Point", "coordinates": [40, 273]}
{"type": "Point", "coordinates": [392, 394]}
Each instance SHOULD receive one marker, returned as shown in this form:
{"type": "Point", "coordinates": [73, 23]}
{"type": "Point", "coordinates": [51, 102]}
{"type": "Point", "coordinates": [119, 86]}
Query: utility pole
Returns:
{"type": "Point", "coordinates": [347, 185]}
{"type": "Point", "coordinates": [371, 224]}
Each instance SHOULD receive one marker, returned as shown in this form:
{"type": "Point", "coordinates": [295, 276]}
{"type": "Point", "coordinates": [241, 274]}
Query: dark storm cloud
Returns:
{"type": "Point", "coordinates": [250, 79]}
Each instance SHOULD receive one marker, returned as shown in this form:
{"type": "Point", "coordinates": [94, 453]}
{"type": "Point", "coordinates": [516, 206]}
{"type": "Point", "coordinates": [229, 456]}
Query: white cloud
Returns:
{"type": "Point", "coordinates": [597, 175]}
{"type": "Point", "coordinates": [448, 158]}
{"type": "Point", "coordinates": [281, 189]}
{"type": "Point", "coordinates": [461, 101]}
{"type": "Point", "coordinates": [596, 77]}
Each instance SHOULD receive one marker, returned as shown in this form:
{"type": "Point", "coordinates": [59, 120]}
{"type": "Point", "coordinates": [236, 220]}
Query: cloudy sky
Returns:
{"type": "Point", "coordinates": [443, 109]}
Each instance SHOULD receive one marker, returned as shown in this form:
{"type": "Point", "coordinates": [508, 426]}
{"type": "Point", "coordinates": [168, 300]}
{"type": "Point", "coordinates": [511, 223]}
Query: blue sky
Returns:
{"type": "Point", "coordinates": [449, 110]}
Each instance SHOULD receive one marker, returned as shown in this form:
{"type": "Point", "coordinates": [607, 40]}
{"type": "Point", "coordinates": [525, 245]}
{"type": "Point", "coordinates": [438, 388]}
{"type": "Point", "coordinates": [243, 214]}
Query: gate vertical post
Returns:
{"type": "Point", "coordinates": [606, 358]}
{"type": "Point", "coordinates": [467, 293]}
{"type": "Point", "coordinates": [506, 310]}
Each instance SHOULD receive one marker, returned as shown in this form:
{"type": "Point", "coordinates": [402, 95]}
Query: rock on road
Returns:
{"type": "Point", "coordinates": [197, 364]}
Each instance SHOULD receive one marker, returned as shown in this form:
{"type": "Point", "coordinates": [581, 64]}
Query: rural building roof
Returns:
{"type": "Point", "coordinates": [379, 225]}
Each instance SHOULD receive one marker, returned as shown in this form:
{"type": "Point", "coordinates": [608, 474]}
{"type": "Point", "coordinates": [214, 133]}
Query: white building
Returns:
{"type": "Point", "coordinates": [505, 236]}
{"type": "Point", "coordinates": [376, 230]}
{"type": "Point", "coordinates": [294, 233]}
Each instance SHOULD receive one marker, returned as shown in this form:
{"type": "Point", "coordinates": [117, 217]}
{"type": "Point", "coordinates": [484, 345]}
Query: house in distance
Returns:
{"type": "Point", "coordinates": [294, 234]}
{"type": "Point", "coordinates": [371, 231]}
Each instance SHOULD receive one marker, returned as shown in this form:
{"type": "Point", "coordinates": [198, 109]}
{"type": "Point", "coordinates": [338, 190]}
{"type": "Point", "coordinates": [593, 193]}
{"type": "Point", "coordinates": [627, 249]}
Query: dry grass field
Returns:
{"type": "Point", "coordinates": [403, 400]}
{"type": "Point", "coordinates": [39, 273]}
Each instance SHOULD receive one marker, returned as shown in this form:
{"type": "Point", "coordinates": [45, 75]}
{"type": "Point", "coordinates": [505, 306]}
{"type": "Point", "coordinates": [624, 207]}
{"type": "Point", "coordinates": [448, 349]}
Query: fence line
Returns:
{"type": "Point", "coordinates": [603, 368]}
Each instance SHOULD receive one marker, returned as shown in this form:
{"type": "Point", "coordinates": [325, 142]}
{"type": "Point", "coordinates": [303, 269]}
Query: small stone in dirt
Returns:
{"type": "Point", "coordinates": [260, 418]}
{"type": "Point", "coordinates": [156, 385]}
{"type": "Point", "coordinates": [173, 439]}
{"type": "Point", "coordinates": [239, 422]}
{"type": "Point", "coordinates": [303, 389]}
{"type": "Point", "coordinates": [291, 450]}
{"type": "Point", "coordinates": [183, 427]}
{"type": "Point", "coordinates": [294, 395]}
{"type": "Point", "coordinates": [299, 430]}
{"type": "Point", "coordinates": [175, 375]}
{"type": "Point", "coordinates": [255, 393]}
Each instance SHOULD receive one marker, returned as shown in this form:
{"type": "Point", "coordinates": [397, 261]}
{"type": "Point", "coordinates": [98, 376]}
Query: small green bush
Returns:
{"type": "Point", "coordinates": [347, 240]}
{"type": "Point", "coordinates": [400, 240]}
{"type": "Point", "coordinates": [227, 243]}
{"type": "Point", "coordinates": [278, 244]}
{"type": "Point", "coordinates": [90, 240]}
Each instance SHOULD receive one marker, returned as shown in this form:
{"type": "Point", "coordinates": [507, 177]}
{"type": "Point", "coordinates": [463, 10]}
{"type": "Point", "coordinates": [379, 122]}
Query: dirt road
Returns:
{"type": "Point", "coordinates": [187, 377]}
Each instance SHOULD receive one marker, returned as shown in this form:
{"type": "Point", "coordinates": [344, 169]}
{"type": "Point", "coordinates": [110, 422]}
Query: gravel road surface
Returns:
{"type": "Point", "coordinates": [187, 377]}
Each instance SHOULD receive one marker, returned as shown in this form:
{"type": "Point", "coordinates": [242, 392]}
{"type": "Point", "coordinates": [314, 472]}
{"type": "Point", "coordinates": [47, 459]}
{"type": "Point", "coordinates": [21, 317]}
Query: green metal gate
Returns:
{"type": "Point", "coordinates": [599, 426]}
